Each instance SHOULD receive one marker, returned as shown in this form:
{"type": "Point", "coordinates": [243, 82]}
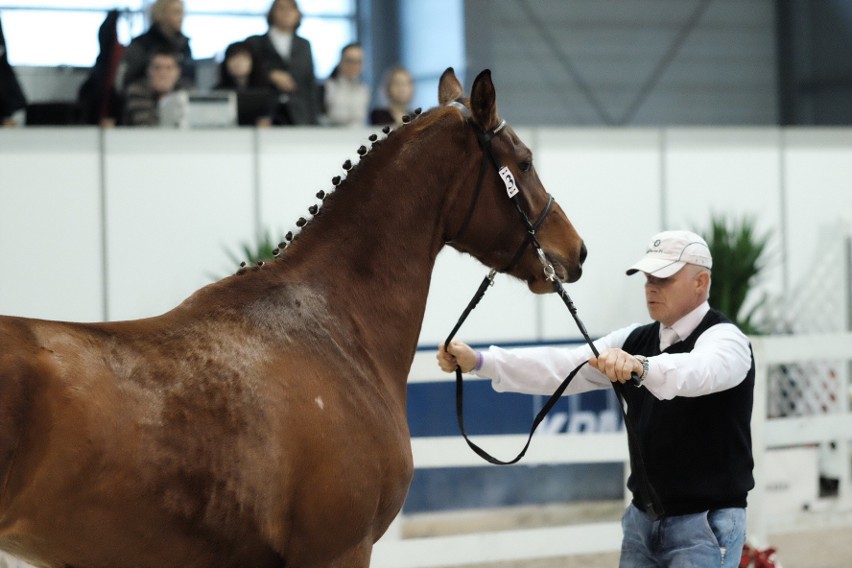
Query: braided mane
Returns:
{"type": "Point", "coordinates": [416, 122]}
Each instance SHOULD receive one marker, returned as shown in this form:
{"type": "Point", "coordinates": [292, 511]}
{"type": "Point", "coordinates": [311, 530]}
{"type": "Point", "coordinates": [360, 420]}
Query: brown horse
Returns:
{"type": "Point", "coordinates": [261, 423]}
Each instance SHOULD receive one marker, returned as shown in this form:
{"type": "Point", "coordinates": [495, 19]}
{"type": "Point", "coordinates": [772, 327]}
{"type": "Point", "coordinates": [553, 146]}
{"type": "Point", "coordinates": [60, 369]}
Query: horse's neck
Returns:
{"type": "Point", "coordinates": [371, 250]}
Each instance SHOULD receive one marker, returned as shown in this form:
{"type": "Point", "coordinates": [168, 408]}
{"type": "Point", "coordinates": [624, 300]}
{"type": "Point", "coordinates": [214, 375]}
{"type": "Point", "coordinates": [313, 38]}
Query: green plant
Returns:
{"type": "Point", "coordinates": [261, 249]}
{"type": "Point", "coordinates": [738, 258]}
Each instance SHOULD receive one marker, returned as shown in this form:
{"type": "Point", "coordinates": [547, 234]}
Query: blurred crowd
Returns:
{"type": "Point", "coordinates": [270, 77]}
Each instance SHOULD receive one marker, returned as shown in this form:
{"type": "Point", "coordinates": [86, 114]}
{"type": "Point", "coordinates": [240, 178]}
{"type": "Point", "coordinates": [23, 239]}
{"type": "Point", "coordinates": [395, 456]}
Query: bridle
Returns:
{"type": "Point", "coordinates": [512, 191]}
{"type": "Point", "coordinates": [653, 507]}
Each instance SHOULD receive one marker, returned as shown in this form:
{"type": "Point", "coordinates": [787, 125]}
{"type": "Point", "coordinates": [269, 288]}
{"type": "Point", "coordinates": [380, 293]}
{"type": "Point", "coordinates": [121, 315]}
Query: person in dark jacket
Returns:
{"type": "Point", "coordinates": [164, 35]}
{"type": "Point", "coordinates": [235, 71]}
{"type": "Point", "coordinates": [688, 409]}
{"type": "Point", "coordinates": [285, 61]}
{"type": "Point", "coordinates": [98, 98]}
{"type": "Point", "coordinates": [256, 103]}
{"type": "Point", "coordinates": [12, 99]}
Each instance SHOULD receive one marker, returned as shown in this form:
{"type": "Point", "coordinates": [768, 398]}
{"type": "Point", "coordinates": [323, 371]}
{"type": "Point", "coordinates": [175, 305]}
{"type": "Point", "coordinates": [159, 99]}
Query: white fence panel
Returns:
{"type": "Point", "coordinates": [556, 541]}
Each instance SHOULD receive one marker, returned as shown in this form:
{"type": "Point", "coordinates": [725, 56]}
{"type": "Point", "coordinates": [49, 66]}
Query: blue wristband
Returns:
{"type": "Point", "coordinates": [478, 361]}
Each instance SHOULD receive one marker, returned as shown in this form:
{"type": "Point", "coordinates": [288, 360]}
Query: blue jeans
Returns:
{"type": "Point", "coordinates": [702, 540]}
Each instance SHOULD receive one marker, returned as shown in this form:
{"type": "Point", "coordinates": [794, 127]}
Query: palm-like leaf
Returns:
{"type": "Point", "coordinates": [738, 258]}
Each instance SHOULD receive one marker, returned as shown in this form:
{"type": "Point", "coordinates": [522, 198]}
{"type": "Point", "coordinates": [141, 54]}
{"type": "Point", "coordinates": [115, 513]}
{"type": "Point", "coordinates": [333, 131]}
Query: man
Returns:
{"type": "Point", "coordinates": [688, 411]}
{"type": "Point", "coordinates": [284, 62]}
{"type": "Point", "coordinates": [156, 99]}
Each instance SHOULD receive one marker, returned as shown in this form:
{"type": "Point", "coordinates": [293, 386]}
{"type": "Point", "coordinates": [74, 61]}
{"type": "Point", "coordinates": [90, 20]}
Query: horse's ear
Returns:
{"type": "Point", "coordinates": [449, 87]}
{"type": "Point", "coordinates": [483, 101]}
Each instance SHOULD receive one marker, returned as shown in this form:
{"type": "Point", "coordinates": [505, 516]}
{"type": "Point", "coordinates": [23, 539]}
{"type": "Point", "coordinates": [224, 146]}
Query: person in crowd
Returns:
{"type": "Point", "coordinates": [346, 96]}
{"type": "Point", "coordinates": [235, 71]}
{"type": "Point", "coordinates": [97, 97]}
{"type": "Point", "coordinates": [164, 35]}
{"type": "Point", "coordinates": [396, 95]}
{"type": "Point", "coordinates": [256, 105]}
{"type": "Point", "coordinates": [688, 409]}
{"type": "Point", "coordinates": [157, 99]}
{"type": "Point", "coordinates": [13, 103]}
{"type": "Point", "coordinates": [285, 61]}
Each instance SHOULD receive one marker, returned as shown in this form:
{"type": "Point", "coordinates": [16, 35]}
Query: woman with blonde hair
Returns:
{"type": "Point", "coordinates": [164, 35]}
{"type": "Point", "coordinates": [396, 95]}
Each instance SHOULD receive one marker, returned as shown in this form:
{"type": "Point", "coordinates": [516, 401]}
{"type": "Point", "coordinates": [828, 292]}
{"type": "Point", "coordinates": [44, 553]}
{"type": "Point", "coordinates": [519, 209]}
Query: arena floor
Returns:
{"type": "Point", "coordinates": [830, 548]}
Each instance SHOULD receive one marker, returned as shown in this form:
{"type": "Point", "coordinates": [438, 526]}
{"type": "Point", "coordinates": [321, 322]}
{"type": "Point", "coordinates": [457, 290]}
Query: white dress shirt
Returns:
{"type": "Point", "coordinates": [347, 102]}
{"type": "Point", "coordinates": [282, 42]}
{"type": "Point", "coordinates": [719, 361]}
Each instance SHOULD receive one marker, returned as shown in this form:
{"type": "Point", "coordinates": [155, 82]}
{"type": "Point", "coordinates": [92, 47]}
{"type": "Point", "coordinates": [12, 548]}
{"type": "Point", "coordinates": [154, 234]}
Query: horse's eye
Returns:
{"type": "Point", "coordinates": [526, 165]}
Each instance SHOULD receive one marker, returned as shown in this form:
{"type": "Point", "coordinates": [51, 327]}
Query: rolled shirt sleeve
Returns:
{"type": "Point", "coordinates": [719, 361]}
{"type": "Point", "coordinates": [540, 370]}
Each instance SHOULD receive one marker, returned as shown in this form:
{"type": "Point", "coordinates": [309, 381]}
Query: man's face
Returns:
{"type": "Point", "coordinates": [669, 299]}
{"type": "Point", "coordinates": [286, 15]}
{"type": "Point", "coordinates": [163, 74]}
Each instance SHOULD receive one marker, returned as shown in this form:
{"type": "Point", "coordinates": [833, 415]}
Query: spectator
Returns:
{"type": "Point", "coordinates": [13, 103]}
{"type": "Point", "coordinates": [157, 99]}
{"type": "Point", "coordinates": [688, 413]}
{"type": "Point", "coordinates": [255, 105]}
{"type": "Point", "coordinates": [346, 97]}
{"type": "Point", "coordinates": [235, 72]}
{"type": "Point", "coordinates": [397, 93]}
{"type": "Point", "coordinates": [164, 34]}
{"type": "Point", "coordinates": [98, 99]}
{"type": "Point", "coordinates": [284, 61]}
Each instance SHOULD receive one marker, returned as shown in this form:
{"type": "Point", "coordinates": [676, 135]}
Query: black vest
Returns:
{"type": "Point", "coordinates": [697, 450]}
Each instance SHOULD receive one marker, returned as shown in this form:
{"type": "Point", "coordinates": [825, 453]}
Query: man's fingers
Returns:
{"type": "Point", "coordinates": [615, 364]}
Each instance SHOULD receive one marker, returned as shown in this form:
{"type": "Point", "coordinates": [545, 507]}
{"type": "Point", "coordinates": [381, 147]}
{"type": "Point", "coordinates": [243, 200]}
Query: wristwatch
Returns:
{"type": "Point", "coordinates": [644, 360]}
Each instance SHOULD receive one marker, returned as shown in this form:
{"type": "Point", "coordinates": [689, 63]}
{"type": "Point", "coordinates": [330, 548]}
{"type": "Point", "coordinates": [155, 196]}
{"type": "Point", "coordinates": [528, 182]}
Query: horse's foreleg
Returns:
{"type": "Point", "coordinates": [358, 557]}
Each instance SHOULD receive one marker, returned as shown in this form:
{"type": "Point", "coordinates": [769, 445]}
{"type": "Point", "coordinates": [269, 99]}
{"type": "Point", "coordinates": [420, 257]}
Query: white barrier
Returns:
{"type": "Point", "coordinates": [556, 541]}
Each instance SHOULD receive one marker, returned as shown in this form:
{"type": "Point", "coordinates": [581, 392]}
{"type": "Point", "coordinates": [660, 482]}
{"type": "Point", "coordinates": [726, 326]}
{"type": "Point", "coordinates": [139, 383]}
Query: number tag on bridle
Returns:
{"type": "Point", "coordinates": [509, 181]}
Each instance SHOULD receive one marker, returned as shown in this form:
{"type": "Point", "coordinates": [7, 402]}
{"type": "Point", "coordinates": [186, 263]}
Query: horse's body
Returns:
{"type": "Point", "coordinates": [261, 423]}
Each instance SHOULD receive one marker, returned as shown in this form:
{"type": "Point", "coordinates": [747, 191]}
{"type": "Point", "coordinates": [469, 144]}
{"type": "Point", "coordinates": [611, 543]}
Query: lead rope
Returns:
{"type": "Point", "coordinates": [653, 506]}
{"type": "Point", "coordinates": [487, 282]}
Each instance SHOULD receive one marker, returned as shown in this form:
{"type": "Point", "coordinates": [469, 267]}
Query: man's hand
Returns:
{"type": "Point", "coordinates": [617, 365]}
{"type": "Point", "coordinates": [283, 81]}
{"type": "Point", "coordinates": [457, 354]}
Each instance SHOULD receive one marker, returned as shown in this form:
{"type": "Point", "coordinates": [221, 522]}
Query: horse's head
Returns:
{"type": "Point", "coordinates": [502, 208]}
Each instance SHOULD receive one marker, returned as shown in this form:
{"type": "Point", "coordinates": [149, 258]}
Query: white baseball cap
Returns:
{"type": "Point", "coordinates": [670, 251]}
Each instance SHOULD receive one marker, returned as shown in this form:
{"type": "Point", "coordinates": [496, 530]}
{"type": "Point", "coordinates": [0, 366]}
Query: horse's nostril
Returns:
{"type": "Point", "coordinates": [583, 253]}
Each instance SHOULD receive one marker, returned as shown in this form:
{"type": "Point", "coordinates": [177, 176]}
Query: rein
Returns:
{"type": "Point", "coordinates": [653, 507]}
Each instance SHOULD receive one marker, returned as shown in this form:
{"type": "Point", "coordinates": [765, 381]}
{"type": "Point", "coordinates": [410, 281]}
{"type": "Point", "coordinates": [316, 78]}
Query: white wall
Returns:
{"type": "Point", "coordinates": [174, 203]}
{"type": "Point", "coordinates": [145, 217]}
{"type": "Point", "coordinates": [50, 224]}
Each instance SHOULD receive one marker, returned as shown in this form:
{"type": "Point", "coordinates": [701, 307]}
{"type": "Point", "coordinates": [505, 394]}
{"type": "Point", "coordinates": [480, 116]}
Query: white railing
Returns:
{"type": "Point", "coordinates": [392, 551]}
